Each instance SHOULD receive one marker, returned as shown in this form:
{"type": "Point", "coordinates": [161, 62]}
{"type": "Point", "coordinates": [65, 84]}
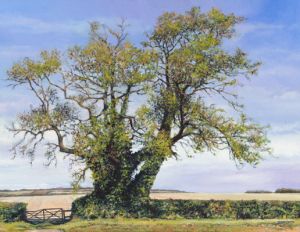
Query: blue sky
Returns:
{"type": "Point", "coordinates": [270, 34]}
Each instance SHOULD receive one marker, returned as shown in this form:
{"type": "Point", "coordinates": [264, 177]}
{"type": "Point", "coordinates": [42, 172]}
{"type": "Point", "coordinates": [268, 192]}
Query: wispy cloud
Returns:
{"type": "Point", "coordinates": [15, 52]}
{"type": "Point", "coordinates": [259, 27]}
{"type": "Point", "coordinates": [17, 23]}
{"type": "Point", "coordinates": [30, 25]}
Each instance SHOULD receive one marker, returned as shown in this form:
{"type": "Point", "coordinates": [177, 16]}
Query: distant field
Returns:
{"type": "Point", "coordinates": [65, 201]}
{"type": "Point", "coordinates": [61, 191]}
{"type": "Point", "coordinates": [42, 202]}
{"type": "Point", "coordinates": [229, 196]}
{"type": "Point", "coordinates": [42, 192]}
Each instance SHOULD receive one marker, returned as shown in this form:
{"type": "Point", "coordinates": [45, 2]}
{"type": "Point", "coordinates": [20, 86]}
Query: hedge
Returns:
{"type": "Point", "coordinates": [258, 191]}
{"type": "Point", "coordinates": [225, 209]}
{"type": "Point", "coordinates": [287, 190]}
{"type": "Point", "coordinates": [190, 209]}
{"type": "Point", "coordinates": [10, 212]}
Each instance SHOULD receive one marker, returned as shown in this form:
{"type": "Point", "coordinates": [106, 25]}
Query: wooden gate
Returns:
{"type": "Point", "coordinates": [52, 215]}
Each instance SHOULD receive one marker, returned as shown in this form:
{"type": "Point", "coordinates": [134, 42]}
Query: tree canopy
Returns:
{"type": "Point", "coordinates": [121, 109]}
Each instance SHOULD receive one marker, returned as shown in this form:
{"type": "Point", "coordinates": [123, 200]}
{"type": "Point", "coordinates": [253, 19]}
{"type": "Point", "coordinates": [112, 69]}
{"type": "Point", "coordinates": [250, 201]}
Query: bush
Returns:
{"type": "Point", "coordinates": [91, 208]}
{"type": "Point", "coordinates": [86, 207]}
{"type": "Point", "coordinates": [10, 212]}
{"type": "Point", "coordinates": [287, 190]}
{"type": "Point", "coordinates": [258, 191]}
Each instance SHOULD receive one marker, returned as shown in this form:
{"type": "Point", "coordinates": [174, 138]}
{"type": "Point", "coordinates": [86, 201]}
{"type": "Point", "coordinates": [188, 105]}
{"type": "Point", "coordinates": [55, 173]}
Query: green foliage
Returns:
{"type": "Point", "coordinates": [34, 70]}
{"type": "Point", "coordinates": [10, 212]}
{"type": "Point", "coordinates": [120, 109]}
{"type": "Point", "coordinates": [189, 209]}
{"type": "Point", "coordinates": [287, 190]}
{"type": "Point", "coordinates": [91, 207]}
{"type": "Point", "coordinates": [258, 191]}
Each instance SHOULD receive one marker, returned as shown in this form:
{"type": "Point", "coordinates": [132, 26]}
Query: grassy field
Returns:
{"type": "Point", "coordinates": [65, 201]}
{"type": "Point", "coordinates": [131, 225]}
{"type": "Point", "coordinates": [43, 192]}
{"type": "Point", "coordinates": [41, 202]}
{"type": "Point", "coordinates": [229, 196]}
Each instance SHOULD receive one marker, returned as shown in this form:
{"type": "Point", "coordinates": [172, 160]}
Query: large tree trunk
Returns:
{"type": "Point", "coordinates": [123, 185]}
{"type": "Point", "coordinates": [120, 190]}
{"type": "Point", "coordinates": [139, 188]}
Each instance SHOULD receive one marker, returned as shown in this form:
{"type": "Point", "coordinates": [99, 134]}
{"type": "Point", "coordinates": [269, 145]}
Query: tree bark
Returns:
{"type": "Point", "coordinates": [121, 186]}
{"type": "Point", "coordinates": [140, 187]}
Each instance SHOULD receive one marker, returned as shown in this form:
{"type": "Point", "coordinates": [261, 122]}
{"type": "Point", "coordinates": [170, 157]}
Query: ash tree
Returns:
{"type": "Point", "coordinates": [121, 110]}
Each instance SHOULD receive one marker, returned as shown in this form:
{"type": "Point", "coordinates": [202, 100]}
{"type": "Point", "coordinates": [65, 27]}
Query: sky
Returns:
{"type": "Point", "coordinates": [270, 34]}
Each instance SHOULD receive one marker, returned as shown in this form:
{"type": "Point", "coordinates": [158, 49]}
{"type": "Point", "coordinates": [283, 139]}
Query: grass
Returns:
{"type": "Point", "coordinates": [16, 226]}
{"type": "Point", "coordinates": [126, 225]}
{"type": "Point", "coordinates": [147, 225]}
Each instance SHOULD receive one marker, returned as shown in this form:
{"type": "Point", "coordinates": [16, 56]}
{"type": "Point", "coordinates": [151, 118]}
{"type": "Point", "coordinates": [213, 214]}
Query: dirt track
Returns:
{"type": "Point", "coordinates": [65, 201]}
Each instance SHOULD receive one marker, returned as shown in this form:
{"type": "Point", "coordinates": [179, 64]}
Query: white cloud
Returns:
{"type": "Point", "coordinates": [29, 25]}
{"type": "Point", "coordinates": [239, 7]}
{"type": "Point", "coordinates": [15, 52]}
{"type": "Point", "coordinates": [19, 23]}
{"type": "Point", "coordinates": [5, 136]}
{"type": "Point", "coordinates": [289, 96]}
{"type": "Point", "coordinates": [246, 28]}
{"type": "Point", "coordinates": [286, 144]}
{"type": "Point", "coordinates": [286, 128]}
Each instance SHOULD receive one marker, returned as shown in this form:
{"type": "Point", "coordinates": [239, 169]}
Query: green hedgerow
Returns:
{"type": "Point", "coordinates": [89, 207]}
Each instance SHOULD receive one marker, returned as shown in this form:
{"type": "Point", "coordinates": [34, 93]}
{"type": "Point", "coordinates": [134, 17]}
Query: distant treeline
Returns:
{"type": "Point", "coordinates": [43, 189]}
{"type": "Point", "coordinates": [43, 192]}
{"type": "Point", "coordinates": [258, 191]}
{"type": "Point", "coordinates": [287, 190]}
{"type": "Point", "coordinates": [280, 190]}
{"type": "Point", "coordinates": [166, 191]}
